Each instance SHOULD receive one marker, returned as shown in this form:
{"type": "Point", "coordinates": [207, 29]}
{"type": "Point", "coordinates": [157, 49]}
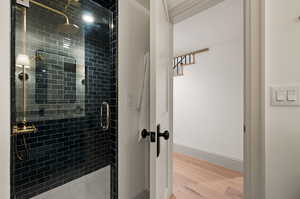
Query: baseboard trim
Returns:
{"type": "Point", "coordinates": [226, 162]}
{"type": "Point", "coordinates": [143, 195]}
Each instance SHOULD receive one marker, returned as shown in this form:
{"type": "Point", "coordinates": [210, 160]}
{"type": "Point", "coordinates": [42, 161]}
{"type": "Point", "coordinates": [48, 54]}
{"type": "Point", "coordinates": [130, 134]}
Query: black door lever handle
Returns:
{"type": "Point", "coordinates": [165, 135]}
{"type": "Point", "coordinates": [146, 133]}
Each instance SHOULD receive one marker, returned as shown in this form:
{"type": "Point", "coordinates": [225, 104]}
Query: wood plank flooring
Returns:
{"type": "Point", "coordinates": [198, 179]}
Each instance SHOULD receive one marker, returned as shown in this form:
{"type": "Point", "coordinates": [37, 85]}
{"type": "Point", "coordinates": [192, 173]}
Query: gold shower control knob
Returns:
{"type": "Point", "coordinates": [23, 128]}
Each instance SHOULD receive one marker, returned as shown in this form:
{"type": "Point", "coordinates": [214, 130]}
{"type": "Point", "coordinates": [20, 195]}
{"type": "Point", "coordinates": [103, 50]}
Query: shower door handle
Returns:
{"type": "Point", "coordinates": [105, 125]}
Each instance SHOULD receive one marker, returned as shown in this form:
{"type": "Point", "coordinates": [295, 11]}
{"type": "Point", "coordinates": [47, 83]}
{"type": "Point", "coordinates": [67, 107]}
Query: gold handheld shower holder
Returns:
{"type": "Point", "coordinates": [23, 128]}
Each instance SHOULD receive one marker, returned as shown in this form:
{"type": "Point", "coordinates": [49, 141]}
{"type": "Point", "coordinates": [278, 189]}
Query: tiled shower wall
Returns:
{"type": "Point", "coordinates": [65, 149]}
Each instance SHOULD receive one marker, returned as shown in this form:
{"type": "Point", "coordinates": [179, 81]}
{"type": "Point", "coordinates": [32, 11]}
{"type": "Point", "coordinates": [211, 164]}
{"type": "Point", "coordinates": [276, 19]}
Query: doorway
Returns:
{"type": "Point", "coordinates": [208, 103]}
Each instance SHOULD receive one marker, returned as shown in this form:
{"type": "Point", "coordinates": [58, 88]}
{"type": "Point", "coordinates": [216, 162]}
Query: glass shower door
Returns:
{"type": "Point", "coordinates": [62, 94]}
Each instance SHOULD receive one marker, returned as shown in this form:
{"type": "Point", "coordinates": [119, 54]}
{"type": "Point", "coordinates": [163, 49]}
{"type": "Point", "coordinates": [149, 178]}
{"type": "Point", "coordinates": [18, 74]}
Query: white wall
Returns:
{"type": "Point", "coordinates": [282, 123]}
{"type": "Point", "coordinates": [208, 99]}
{"type": "Point", "coordinates": [133, 44]}
{"type": "Point", "coordinates": [5, 99]}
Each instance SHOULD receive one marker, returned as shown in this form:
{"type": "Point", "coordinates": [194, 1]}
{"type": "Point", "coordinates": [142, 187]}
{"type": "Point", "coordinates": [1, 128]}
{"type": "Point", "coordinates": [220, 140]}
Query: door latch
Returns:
{"type": "Point", "coordinates": [150, 134]}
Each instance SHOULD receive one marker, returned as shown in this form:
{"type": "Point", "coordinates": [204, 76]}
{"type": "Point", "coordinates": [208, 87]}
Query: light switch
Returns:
{"type": "Point", "coordinates": [292, 95]}
{"type": "Point", "coordinates": [280, 95]}
{"type": "Point", "coordinates": [285, 96]}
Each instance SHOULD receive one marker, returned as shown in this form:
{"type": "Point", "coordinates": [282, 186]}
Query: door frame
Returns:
{"type": "Point", "coordinates": [254, 100]}
{"type": "Point", "coordinates": [5, 38]}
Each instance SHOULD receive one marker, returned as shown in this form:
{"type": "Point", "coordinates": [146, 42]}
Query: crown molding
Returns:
{"type": "Point", "coordinates": [190, 8]}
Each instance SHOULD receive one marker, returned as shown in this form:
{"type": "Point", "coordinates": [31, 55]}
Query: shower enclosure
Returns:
{"type": "Point", "coordinates": [64, 101]}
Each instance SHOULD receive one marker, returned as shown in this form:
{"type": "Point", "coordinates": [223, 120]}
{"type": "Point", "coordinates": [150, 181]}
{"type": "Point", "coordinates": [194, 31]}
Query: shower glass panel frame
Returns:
{"type": "Point", "coordinates": [64, 101]}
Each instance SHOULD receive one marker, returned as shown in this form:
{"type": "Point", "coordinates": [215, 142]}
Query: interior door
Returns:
{"type": "Point", "coordinates": [161, 53]}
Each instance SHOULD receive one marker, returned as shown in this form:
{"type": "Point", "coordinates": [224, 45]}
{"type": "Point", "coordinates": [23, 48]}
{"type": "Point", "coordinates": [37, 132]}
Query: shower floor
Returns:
{"type": "Point", "coordinates": [92, 186]}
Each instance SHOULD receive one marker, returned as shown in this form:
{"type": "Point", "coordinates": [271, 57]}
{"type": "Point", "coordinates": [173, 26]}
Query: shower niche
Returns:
{"type": "Point", "coordinates": [63, 73]}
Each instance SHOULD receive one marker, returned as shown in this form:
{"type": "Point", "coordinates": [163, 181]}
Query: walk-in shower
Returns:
{"type": "Point", "coordinates": [64, 99]}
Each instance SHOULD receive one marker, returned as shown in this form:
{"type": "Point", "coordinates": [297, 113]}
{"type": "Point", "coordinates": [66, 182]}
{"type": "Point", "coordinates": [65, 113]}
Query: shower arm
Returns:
{"type": "Point", "coordinates": [51, 9]}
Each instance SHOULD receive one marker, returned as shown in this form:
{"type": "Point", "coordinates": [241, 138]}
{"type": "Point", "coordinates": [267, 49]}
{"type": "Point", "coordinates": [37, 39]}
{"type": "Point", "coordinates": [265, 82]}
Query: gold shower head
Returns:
{"type": "Point", "coordinates": [68, 28]}
{"type": "Point", "coordinates": [75, 3]}
{"type": "Point", "coordinates": [63, 28]}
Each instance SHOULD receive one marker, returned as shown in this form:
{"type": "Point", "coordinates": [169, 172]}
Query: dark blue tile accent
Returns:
{"type": "Point", "coordinates": [65, 149]}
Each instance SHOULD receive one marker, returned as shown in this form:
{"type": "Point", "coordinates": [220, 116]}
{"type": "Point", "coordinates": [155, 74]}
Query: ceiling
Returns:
{"type": "Point", "coordinates": [173, 3]}
{"type": "Point", "coordinates": [180, 10]}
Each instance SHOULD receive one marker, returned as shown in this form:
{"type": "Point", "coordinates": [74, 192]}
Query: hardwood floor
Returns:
{"type": "Point", "coordinates": [198, 179]}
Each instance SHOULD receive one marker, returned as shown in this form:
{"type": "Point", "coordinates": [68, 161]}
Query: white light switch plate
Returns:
{"type": "Point", "coordinates": [23, 3]}
{"type": "Point", "coordinates": [292, 95]}
{"type": "Point", "coordinates": [280, 95]}
{"type": "Point", "coordinates": [285, 96]}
